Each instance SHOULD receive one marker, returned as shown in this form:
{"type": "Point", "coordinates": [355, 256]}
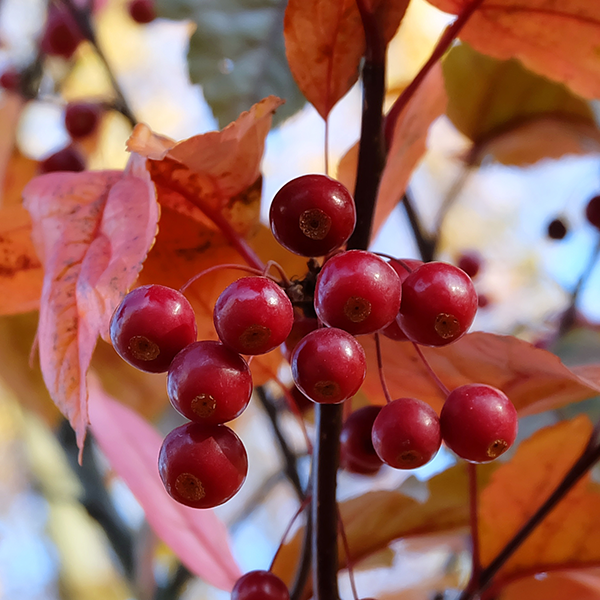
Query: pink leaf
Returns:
{"type": "Point", "coordinates": [198, 537]}
{"type": "Point", "coordinates": [92, 232]}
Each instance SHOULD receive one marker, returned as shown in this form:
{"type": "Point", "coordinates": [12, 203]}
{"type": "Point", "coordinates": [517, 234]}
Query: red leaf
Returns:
{"type": "Point", "coordinates": [198, 537]}
{"type": "Point", "coordinates": [558, 39]}
{"type": "Point", "coordinates": [92, 231]}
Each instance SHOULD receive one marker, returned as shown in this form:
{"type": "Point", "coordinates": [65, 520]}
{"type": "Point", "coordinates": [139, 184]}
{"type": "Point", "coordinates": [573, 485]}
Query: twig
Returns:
{"type": "Point", "coordinates": [431, 372]}
{"type": "Point", "coordinates": [425, 243]}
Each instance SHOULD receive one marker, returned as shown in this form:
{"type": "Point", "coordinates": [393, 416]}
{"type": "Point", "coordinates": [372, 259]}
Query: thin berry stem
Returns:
{"type": "Point", "coordinates": [583, 464]}
{"type": "Point", "coordinates": [222, 267]}
{"type": "Point", "coordinates": [302, 506]}
{"type": "Point", "coordinates": [284, 278]}
{"type": "Point", "coordinates": [432, 373]}
{"type": "Point", "coordinates": [474, 520]}
{"type": "Point", "coordinates": [425, 244]}
{"type": "Point", "coordinates": [384, 387]}
{"type": "Point", "coordinates": [443, 44]}
{"type": "Point", "coordinates": [293, 406]}
{"type": "Point", "coordinates": [348, 559]}
{"type": "Point", "coordinates": [326, 146]}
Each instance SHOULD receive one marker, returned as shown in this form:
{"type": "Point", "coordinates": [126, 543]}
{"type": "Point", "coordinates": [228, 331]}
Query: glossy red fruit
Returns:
{"type": "Point", "coordinates": [260, 585]}
{"type": "Point", "coordinates": [202, 466]}
{"type": "Point", "coordinates": [393, 330]}
{"type": "Point", "coordinates": [357, 453]}
{"type": "Point", "coordinates": [470, 263]}
{"type": "Point", "coordinates": [482, 300]}
{"type": "Point", "coordinates": [557, 229]}
{"type": "Point", "coordinates": [253, 315]}
{"type": "Point", "coordinates": [62, 35]}
{"type": "Point", "coordinates": [592, 211]}
{"type": "Point", "coordinates": [406, 433]}
{"type": "Point", "coordinates": [11, 80]}
{"type": "Point", "coordinates": [312, 215]}
{"type": "Point", "coordinates": [478, 422]}
{"type": "Point", "coordinates": [209, 383]}
{"type": "Point", "coordinates": [67, 159]}
{"type": "Point", "coordinates": [151, 325]}
{"type": "Point", "coordinates": [358, 292]}
{"type": "Point", "coordinates": [142, 11]}
{"type": "Point", "coordinates": [81, 119]}
{"type": "Point", "coordinates": [439, 304]}
{"type": "Point", "coordinates": [301, 327]}
{"type": "Point", "coordinates": [328, 365]}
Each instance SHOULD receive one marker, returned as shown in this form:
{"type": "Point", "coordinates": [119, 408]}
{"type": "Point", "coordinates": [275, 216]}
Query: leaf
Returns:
{"type": "Point", "coordinates": [92, 231]}
{"type": "Point", "coordinates": [375, 519]}
{"type": "Point", "coordinates": [21, 272]}
{"type": "Point", "coordinates": [19, 171]}
{"type": "Point", "coordinates": [570, 534]}
{"type": "Point", "coordinates": [409, 143]}
{"type": "Point", "coordinates": [237, 53]}
{"type": "Point", "coordinates": [490, 99]}
{"type": "Point", "coordinates": [132, 446]}
{"type": "Point", "coordinates": [557, 39]}
{"type": "Point", "coordinates": [10, 112]}
{"type": "Point", "coordinates": [325, 41]}
{"type": "Point", "coordinates": [553, 586]}
{"type": "Point", "coordinates": [534, 379]}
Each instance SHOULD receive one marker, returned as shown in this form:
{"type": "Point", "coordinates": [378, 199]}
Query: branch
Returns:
{"type": "Point", "coordinates": [424, 242]}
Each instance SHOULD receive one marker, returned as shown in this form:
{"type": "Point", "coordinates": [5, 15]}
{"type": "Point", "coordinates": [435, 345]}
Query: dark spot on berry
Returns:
{"type": "Point", "coordinates": [315, 224]}
{"type": "Point", "coordinates": [142, 348]}
{"type": "Point", "coordinates": [255, 337]}
{"type": "Point", "coordinates": [188, 486]}
{"type": "Point", "coordinates": [327, 389]}
{"type": "Point", "coordinates": [410, 458]}
{"type": "Point", "coordinates": [204, 405]}
{"type": "Point", "coordinates": [357, 309]}
{"type": "Point", "coordinates": [447, 326]}
{"type": "Point", "coordinates": [496, 448]}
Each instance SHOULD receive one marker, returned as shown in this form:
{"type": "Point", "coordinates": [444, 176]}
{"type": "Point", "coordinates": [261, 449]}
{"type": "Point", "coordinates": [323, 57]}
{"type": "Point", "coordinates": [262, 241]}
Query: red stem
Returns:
{"type": "Point", "coordinates": [432, 373]}
{"type": "Point", "coordinates": [347, 551]}
{"type": "Point", "coordinates": [302, 506]}
{"type": "Point", "coordinates": [474, 521]}
{"type": "Point", "coordinates": [384, 387]}
{"type": "Point", "coordinates": [245, 268]}
{"type": "Point", "coordinates": [443, 44]}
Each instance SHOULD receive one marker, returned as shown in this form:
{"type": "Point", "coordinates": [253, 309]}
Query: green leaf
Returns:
{"type": "Point", "coordinates": [489, 99]}
{"type": "Point", "coordinates": [237, 54]}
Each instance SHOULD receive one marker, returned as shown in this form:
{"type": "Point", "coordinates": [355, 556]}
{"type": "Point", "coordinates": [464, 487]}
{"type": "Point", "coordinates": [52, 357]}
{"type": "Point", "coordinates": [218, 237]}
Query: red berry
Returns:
{"type": "Point", "coordinates": [142, 11]}
{"type": "Point", "coordinates": [592, 211]}
{"type": "Point", "coordinates": [557, 229]}
{"type": "Point", "coordinates": [406, 433]}
{"type": "Point", "coordinates": [67, 159]}
{"type": "Point", "coordinates": [209, 383]}
{"type": "Point", "coordinates": [439, 304]}
{"type": "Point", "coordinates": [11, 80]}
{"type": "Point", "coordinates": [259, 585]}
{"type": "Point", "coordinates": [482, 300]}
{"type": "Point", "coordinates": [393, 330]}
{"type": "Point", "coordinates": [202, 466]}
{"type": "Point", "coordinates": [81, 119]}
{"type": "Point", "coordinates": [303, 404]}
{"type": "Point", "coordinates": [302, 326]}
{"type": "Point", "coordinates": [470, 263]}
{"type": "Point", "coordinates": [312, 215]}
{"type": "Point", "coordinates": [357, 453]}
{"type": "Point", "coordinates": [253, 315]}
{"type": "Point", "coordinates": [62, 35]}
{"type": "Point", "coordinates": [151, 325]}
{"type": "Point", "coordinates": [358, 292]}
{"type": "Point", "coordinates": [478, 422]}
{"type": "Point", "coordinates": [329, 365]}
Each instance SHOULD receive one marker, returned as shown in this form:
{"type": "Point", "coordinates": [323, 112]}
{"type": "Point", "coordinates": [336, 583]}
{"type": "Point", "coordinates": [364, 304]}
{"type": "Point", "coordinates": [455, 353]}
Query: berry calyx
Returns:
{"type": "Point", "coordinates": [357, 453]}
{"type": "Point", "coordinates": [438, 305]}
{"type": "Point", "coordinates": [358, 292]}
{"type": "Point", "coordinates": [478, 422]}
{"type": "Point", "coordinates": [312, 215]}
{"type": "Point", "coordinates": [260, 585]}
{"type": "Point", "coordinates": [328, 365]}
{"type": "Point", "coordinates": [557, 229]}
{"type": "Point", "coordinates": [81, 119]}
{"type": "Point", "coordinates": [592, 211]}
{"type": "Point", "coordinates": [151, 325]}
{"type": "Point", "coordinates": [67, 159]}
{"type": "Point", "coordinates": [253, 315]}
{"type": "Point", "coordinates": [202, 466]}
{"type": "Point", "coordinates": [142, 11]}
{"type": "Point", "coordinates": [209, 383]}
{"type": "Point", "coordinates": [406, 433]}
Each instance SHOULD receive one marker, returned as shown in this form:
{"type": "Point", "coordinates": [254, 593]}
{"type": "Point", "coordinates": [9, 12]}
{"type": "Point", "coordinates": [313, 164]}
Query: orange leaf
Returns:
{"type": "Point", "coordinates": [557, 39]}
{"type": "Point", "coordinates": [21, 272]}
{"type": "Point", "coordinates": [325, 41]}
{"type": "Point", "coordinates": [10, 111]}
{"type": "Point", "coordinates": [553, 586]}
{"type": "Point", "coordinates": [570, 534]}
{"type": "Point", "coordinates": [534, 379]}
{"type": "Point", "coordinates": [93, 231]}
